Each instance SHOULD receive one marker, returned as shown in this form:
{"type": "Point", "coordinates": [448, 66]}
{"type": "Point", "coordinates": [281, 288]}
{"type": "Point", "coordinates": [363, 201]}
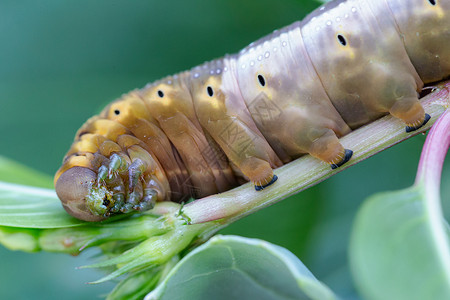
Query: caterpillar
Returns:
{"type": "Point", "coordinates": [236, 118]}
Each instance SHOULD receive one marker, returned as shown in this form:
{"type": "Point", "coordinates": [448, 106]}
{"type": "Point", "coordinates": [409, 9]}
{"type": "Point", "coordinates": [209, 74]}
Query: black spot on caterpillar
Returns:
{"type": "Point", "coordinates": [237, 118]}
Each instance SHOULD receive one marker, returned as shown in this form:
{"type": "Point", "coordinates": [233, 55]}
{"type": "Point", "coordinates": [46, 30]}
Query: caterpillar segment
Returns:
{"type": "Point", "coordinates": [169, 101]}
{"type": "Point", "coordinates": [273, 75]}
{"type": "Point", "coordinates": [221, 110]}
{"type": "Point", "coordinates": [237, 118]}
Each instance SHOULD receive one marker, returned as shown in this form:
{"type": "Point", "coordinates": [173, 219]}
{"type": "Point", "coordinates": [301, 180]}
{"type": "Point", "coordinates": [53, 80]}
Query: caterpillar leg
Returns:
{"type": "Point", "coordinates": [248, 151]}
{"type": "Point", "coordinates": [347, 155]}
{"type": "Point", "coordinates": [411, 112]}
{"type": "Point", "coordinates": [414, 128]}
{"type": "Point", "coordinates": [327, 148]}
{"type": "Point", "coordinates": [224, 115]}
{"type": "Point", "coordinates": [261, 187]}
{"type": "Point", "coordinates": [259, 171]}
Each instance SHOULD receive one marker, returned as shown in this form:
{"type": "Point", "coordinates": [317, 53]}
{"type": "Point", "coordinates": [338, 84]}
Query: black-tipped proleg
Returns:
{"type": "Point", "coordinates": [414, 128]}
{"type": "Point", "coordinates": [348, 154]}
{"type": "Point", "coordinates": [261, 187]}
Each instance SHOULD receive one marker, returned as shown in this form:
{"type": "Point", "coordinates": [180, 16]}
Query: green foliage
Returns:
{"type": "Point", "coordinates": [30, 207]}
{"type": "Point", "coordinates": [400, 239]}
{"type": "Point", "coordinates": [147, 249]}
{"type": "Point", "coordinates": [24, 205]}
{"type": "Point", "coordinates": [395, 250]}
{"type": "Point", "coordinates": [393, 229]}
{"type": "Point", "coordinates": [63, 62]}
{"type": "Point", "coordinates": [231, 267]}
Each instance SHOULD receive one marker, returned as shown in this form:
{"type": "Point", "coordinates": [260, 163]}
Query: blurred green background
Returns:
{"type": "Point", "coordinates": [62, 61]}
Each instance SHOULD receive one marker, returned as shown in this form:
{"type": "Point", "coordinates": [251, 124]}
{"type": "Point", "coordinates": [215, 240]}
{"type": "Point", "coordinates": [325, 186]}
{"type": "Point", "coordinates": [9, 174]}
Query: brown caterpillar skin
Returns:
{"type": "Point", "coordinates": [237, 118]}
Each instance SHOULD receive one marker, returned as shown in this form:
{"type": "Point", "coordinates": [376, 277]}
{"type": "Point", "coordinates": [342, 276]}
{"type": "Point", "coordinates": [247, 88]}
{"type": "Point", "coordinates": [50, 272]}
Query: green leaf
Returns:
{"type": "Point", "coordinates": [395, 252]}
{"type": "Point", "coordinates": [31, 207]}
{"type": "Point", "coordinates": [135, 287]}
{"type": "Point", "coordinates": [26, 206]}
{"type": "Point", "coordinates": [231, 267]}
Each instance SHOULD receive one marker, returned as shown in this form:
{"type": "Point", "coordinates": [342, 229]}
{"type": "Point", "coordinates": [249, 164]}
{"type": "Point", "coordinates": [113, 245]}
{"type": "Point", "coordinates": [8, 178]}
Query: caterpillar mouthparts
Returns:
{"type": "Point", "coordinates": [92, 196]}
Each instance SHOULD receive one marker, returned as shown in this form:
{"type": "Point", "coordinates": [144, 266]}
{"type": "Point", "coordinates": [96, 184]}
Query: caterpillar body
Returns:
{"type": "Point", "coordinates": [237, 118]}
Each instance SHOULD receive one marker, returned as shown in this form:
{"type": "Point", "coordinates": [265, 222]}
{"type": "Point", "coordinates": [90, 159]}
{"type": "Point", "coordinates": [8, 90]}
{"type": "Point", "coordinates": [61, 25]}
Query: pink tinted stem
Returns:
{"type": "Point", "coordinates": [434, 152]}
{"type": "Point", "coordinates": [428, 181]}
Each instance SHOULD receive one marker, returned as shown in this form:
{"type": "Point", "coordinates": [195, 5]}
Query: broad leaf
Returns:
{"type": "Point", "coordinates": [27, 206]}
{"type": "Point", "coordinates": [231, 267]}
{"type": "Point", "coordinates": [30, 207]}
{"type": "Point", "coordinates": [400, 246]}
{"type": "Point", "coordinates": [395, 251]}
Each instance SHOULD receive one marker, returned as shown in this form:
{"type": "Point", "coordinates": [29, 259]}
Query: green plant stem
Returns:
{"type": "Point", "coordinates": [308, 171]}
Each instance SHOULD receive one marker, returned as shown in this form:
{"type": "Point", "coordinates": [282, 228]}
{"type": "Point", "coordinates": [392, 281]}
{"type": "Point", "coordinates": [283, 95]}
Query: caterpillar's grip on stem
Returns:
{"type": "Point", "coordinates": [294, 92]}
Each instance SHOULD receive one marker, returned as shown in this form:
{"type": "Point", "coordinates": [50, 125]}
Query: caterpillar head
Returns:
{"type": "Point", "coordinates": [74, 187]}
